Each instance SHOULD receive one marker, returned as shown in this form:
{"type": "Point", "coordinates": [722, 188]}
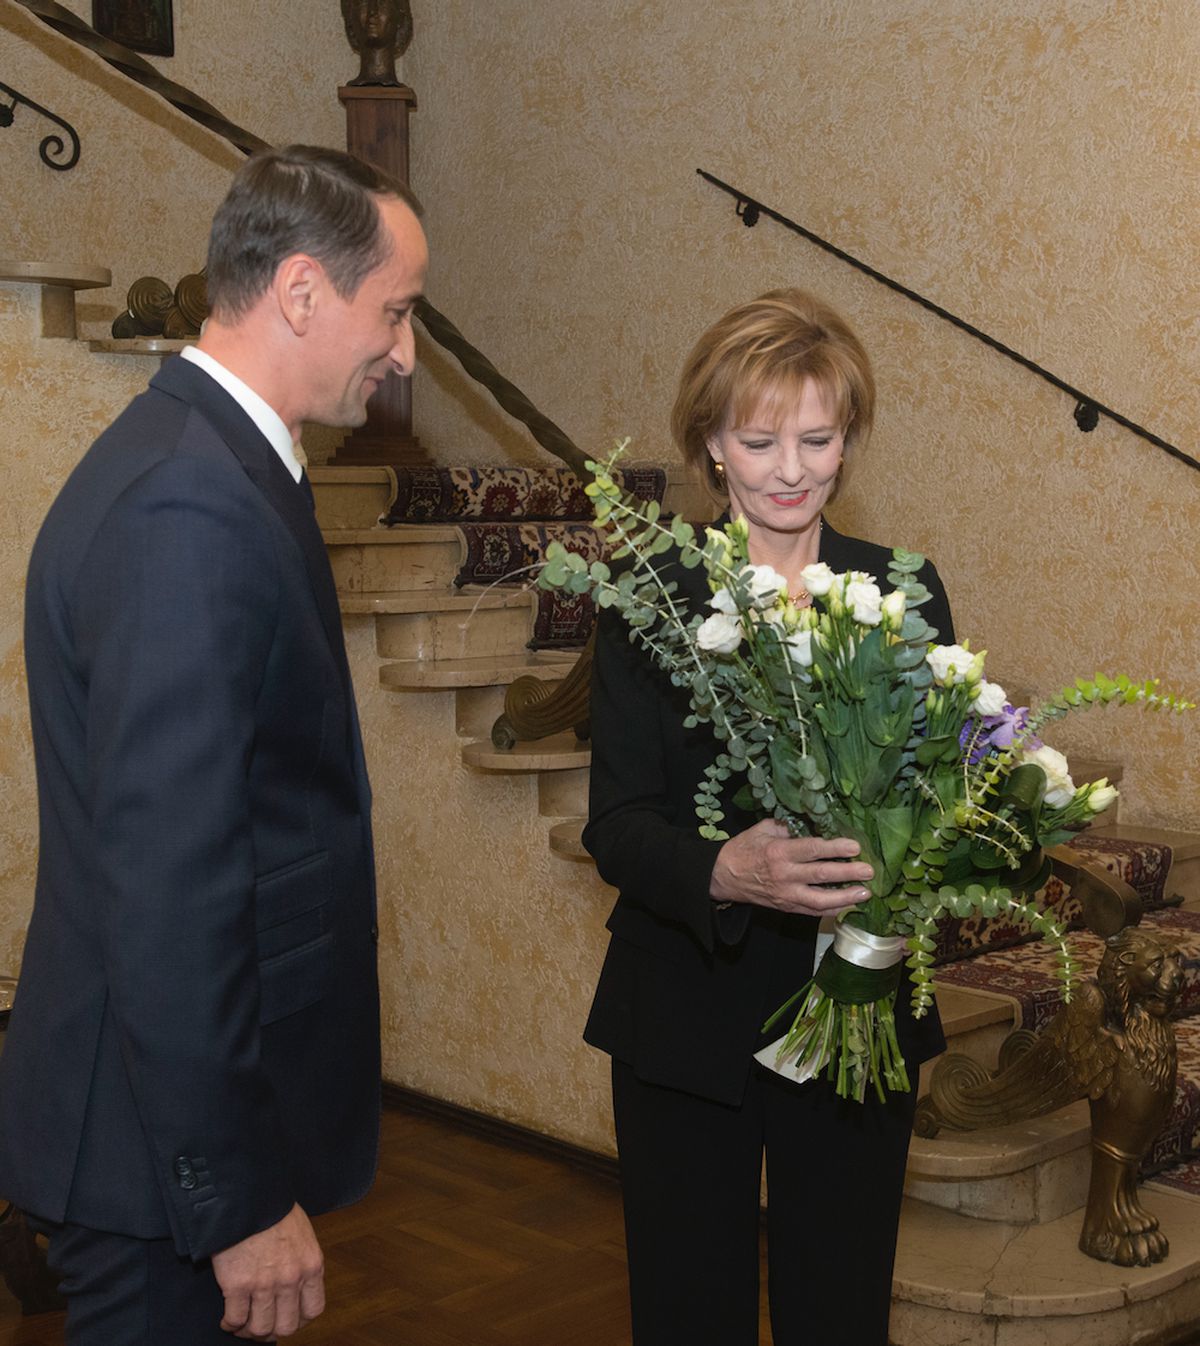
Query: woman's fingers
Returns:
{"type": "Point", "coordinates": [767, 867]}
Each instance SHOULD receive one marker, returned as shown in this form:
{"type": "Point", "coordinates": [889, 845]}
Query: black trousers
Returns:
{"type": "Point", "coordinates": [690, 1174]}
{"type": "Point", "coordinates": [124, 1291]}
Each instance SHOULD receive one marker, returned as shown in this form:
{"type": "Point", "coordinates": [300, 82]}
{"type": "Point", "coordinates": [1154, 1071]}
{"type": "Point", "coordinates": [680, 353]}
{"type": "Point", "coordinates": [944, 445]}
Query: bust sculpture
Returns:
{"type": "Point", "coordinates": [379, 30]}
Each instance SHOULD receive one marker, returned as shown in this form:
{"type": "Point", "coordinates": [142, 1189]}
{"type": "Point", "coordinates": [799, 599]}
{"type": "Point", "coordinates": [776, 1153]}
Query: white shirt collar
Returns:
{"type": "Point", "coordinates": [264, 416]}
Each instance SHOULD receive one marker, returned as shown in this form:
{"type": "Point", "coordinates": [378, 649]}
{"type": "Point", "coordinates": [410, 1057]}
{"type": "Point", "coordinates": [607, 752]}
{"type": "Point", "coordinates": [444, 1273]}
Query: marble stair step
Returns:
{"type": "Point", "coordinates": [566, 839]}
{"type": "Point", "coordinates": [411, 675]}
{"type": "Point", "coordinates": [964, 1282]}
{"type": "Point", "coordinates": [561, 762]}
{"type": "Point", "coordinates": [59, 281]}
{"type": "Point", "coordinates": [1027, 1172]}
{"type": "Point", "coordinates": [352, 497]}
{"type": "Point", "coordinates": [372, 562]}
{"type": "Point", "coordinates": [448, 623]}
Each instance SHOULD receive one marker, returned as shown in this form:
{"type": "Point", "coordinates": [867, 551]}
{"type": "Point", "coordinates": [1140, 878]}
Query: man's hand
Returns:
{"type": "Point", "coordinates": [767, 867]}
{"type": "Point", "coordinates": [273, 1281]}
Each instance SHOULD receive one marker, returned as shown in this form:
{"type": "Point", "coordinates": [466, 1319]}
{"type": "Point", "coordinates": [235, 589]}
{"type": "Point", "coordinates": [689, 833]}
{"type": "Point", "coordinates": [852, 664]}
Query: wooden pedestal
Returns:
{"type": "Point", "coordinates": [377, 131]}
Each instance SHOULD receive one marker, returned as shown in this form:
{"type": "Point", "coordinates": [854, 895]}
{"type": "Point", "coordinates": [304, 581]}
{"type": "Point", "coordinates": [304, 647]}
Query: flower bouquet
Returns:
{"type": "Point", "coordinates": [844, 718]}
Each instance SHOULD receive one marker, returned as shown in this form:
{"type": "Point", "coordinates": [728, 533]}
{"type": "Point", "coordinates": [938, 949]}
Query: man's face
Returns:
{"type": "Point", "coordinates": [358, 340]}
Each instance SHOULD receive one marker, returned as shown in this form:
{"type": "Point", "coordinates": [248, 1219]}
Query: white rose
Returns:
{"type": "Point", "coordinates": [817, 579]}
{"type": "Point", "coordinates": [765, 585]}
{"type": "Point", "coordinates": [722, 600]}
{"type": "Point", "coordinates": [1060, 788]}
{"type": "Point", "coordinates": [1100, 795]}
{"type": "Point", "coordinates": [720, 634]}
{"type": "Point", "coordinates": [799, 648]}
{"type": "Point", "coordinates": [949, 663]}
{"type": "Point", "coordinates": [991, 698]}
{"type": "Point", "coordinates": [894, 607]}
{"type": "Point", "coordinates": [865, 602]}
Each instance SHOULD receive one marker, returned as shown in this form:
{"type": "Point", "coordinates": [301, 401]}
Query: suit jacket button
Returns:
{"type": "Point", "coordinates": [185, 1173]}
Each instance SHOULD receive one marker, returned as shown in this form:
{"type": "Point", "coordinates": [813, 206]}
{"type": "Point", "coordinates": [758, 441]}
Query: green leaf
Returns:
{"type": "Point", "coordinates": [787, 775]}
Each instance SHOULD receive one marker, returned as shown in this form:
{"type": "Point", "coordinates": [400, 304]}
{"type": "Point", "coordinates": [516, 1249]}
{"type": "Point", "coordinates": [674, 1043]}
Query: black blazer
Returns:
{"type": "Point", "coordinates": [195, 1042]}
{"type": "Point", "coordinates": [685, 988]}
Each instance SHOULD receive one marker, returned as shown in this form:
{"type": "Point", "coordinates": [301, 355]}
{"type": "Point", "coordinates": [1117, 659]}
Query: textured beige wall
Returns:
{"type": "Point", "coordinates": [1030, 164]}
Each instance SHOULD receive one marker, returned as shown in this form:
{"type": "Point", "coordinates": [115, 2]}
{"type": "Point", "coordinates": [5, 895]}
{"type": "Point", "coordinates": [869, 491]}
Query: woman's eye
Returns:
{"type": "Point", "coordinates": [756, 443]}
{"type": "Point", "coordinates": [818, 443]}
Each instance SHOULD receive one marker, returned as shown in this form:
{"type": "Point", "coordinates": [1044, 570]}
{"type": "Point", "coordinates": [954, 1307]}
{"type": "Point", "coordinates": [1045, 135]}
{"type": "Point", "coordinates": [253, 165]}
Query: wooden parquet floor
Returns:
{"type": "Point", "coordinates": [464, 1241]}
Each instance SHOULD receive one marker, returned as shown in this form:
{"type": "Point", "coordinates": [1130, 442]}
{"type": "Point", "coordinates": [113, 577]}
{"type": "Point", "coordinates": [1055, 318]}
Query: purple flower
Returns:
{"type": "Point", "coordinates": [996, 732]}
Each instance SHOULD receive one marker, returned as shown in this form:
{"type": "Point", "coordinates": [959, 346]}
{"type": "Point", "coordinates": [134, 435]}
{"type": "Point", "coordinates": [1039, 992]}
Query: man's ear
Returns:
{"type": "Point", "coordinates": [299, 281]}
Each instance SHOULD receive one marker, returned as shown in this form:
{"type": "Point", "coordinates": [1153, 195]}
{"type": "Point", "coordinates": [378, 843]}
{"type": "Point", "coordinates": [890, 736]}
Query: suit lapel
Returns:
{"type": "Point", "coordinates": [189, 383]}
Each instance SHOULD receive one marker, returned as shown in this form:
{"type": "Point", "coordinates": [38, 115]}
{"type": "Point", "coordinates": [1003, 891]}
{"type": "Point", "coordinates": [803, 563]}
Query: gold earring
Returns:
{"type": "Point", "coordinates": [718, 470]}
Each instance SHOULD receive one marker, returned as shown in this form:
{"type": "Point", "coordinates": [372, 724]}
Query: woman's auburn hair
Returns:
{"type": "Point", "coordinates": [761, 354]}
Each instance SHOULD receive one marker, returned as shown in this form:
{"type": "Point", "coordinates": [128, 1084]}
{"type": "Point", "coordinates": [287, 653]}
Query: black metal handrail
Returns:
{"type": "Point", "coordinates": [1088, 410]}
{"type": "Point", "coordinates": [439, 327]}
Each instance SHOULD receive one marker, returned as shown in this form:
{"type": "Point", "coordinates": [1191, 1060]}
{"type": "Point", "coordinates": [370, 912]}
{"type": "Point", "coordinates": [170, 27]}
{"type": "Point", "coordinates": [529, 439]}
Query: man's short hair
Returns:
{"type": "Point", "coordinates": [301, 198]}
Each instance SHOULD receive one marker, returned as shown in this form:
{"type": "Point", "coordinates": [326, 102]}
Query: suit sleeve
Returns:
{"type": "Point", "coordinates": [639, 846]}
{"type": "Point", "coordinates": [174, 613]}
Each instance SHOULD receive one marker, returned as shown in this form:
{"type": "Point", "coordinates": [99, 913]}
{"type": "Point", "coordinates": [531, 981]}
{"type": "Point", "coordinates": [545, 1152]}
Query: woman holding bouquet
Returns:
{"type": "Point", "coordinates": [709, 938]}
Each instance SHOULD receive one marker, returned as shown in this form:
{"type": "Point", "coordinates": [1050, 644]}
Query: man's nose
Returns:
{"type": "Point", "coordinates": [403, 354]}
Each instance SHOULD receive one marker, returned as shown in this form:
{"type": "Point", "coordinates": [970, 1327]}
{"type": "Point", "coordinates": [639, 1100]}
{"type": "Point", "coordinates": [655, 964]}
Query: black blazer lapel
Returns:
{"type": "Point", "coordinates": [187, 382]}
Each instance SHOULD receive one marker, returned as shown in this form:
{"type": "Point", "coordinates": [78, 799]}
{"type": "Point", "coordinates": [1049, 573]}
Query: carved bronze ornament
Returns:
{"type": "Point", "coordinates": [1114, 1044]}
{"type": "Point", "coordinates": [153, 309]}
{"type": "Point", "coordinates": [379, 31]}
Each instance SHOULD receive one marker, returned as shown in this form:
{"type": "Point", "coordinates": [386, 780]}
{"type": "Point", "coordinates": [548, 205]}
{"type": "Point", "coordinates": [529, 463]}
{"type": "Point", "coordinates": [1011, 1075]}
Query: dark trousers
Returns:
{"type": "Point", "coordinates": [125, 1291]}
{"type": "Point", "coordinates": [690, 1173]}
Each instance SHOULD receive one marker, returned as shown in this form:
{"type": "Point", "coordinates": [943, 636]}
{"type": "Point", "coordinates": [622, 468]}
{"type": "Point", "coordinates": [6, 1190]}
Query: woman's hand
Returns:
{"type": "Point", "coordinates": [767, 867]}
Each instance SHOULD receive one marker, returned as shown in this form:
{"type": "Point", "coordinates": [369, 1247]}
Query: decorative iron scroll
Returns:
{"type": "Point", "coordinates": [53, 147]}
{"type": "Point", "coordinates": [1087, 409]}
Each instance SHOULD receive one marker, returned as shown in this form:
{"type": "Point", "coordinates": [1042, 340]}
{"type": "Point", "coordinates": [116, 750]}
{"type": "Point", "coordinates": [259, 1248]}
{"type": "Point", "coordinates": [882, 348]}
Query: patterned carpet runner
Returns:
{"type": "Point", "coordinates": [508, 516]}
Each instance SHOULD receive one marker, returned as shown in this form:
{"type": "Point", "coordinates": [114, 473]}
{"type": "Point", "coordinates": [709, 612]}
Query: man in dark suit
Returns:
{"type": "Point", "coordinates": [192, 1065]}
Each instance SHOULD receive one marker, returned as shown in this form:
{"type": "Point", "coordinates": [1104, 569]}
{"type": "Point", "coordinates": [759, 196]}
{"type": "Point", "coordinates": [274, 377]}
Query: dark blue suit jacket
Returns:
{"type": "Point", "coordinates": [685, 988]}
{"type": "Point", "coordinates": [195, 1042]}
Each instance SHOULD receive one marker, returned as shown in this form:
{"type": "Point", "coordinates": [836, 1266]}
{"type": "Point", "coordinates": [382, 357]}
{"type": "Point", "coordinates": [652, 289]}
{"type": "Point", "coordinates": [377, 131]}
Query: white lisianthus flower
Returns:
{"type": "Point", "coordinates": [865, 602]}
{"type": "Point", "coordinates": [817, 579]}
{"type": "Point", "coordinates": [765, 585]}
{"type": "Point", "coordinates": [720, 634]}
{"type": "Point", "coordinates": [799, 648]}
{"type": "Point", "coordinates": [1100, 795]}
{"type": "Point", "coordinates": [949, 663]}
{"type": "Point", "coordinates": [894, 606]}
{"type": "Point", "coordinates": [1060, 788]}
{"type": "Point", "coordinates": [990, 698]}
{"type": "Point", "coordinates": [722, 600]}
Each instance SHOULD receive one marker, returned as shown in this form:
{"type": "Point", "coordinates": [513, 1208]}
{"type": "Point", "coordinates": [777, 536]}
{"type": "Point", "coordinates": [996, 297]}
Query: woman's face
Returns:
{"type": "Point", "coordinates": [781, 470]}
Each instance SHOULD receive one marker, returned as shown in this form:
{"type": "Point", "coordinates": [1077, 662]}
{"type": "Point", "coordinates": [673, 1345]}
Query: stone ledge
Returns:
{"type": "Point", "coordinates": [406, 675]}
{"type": "Point", "coordinates": [963, 1282]}
{"type": "Point", "coordinates": [65, 275]}
{"type": "Point", "coordinates": [559, 752]}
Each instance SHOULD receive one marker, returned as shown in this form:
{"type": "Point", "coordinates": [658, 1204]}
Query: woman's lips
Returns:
{"type": "Point", "coordinates": [791, 500]}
